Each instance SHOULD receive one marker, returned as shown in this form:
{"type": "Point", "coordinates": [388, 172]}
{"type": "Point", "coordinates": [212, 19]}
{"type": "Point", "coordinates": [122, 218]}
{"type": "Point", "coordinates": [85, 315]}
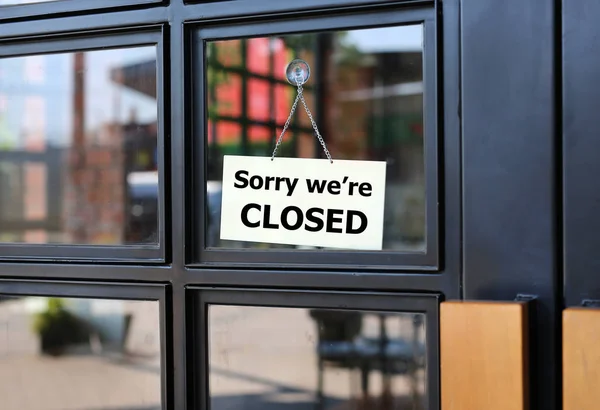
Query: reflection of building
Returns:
{"type": "Point", "coordinates": [249, 99]}
{"type": "Point", "coordinates": [30, 155]}
{"type": "Point", "coordinates": [379, 96]}
{"type": "Point", "coordinates": [371, 102]}
{"type": "Point", "coordinates": [367, 101]}
{"type": "Point", "coordinates": [110, 209]}
{"type": "Point", "coordinates": [140, 145]}
{"type": "Point", "coordinates": [68, 183]}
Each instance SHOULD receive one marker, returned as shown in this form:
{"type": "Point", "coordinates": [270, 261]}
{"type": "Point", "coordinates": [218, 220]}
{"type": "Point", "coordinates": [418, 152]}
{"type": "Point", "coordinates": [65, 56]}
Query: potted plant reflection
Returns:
{"type": "Point", "coordinates": [58, 328]}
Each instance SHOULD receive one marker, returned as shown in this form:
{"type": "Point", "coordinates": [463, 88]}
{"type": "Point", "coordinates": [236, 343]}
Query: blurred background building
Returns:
{"type": "Point", "coordinates": [72, 163]}
{"type": "Point", "coordinates": [366, 93]}
{"type": "Point", "coordinates": [81, 167]}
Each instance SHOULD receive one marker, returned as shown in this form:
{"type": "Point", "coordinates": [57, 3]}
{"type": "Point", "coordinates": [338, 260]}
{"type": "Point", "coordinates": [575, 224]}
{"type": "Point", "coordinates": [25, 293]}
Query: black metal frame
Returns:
{"type": "Point", "coordinates": [380, 260]}
{"type": "Point", "coordinates": [512, 139]}
{"type": "Point", "coordinates": [389, 302]}
{"type": "Point", "coordinates": [20, 11]}
{"type": "Point", "coordinates": [92, 40]}
{"type": "Point", "coordinates": [95, 290]}
{"type": "Point", "coordinates": [57, 267]}
{"type": "Point", "coordinates": [580, 220]}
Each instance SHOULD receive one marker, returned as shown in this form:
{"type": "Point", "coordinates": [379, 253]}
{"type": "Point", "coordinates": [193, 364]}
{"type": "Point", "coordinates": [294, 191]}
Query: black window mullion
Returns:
{"type": "Point", "coordinates": [70, 7]}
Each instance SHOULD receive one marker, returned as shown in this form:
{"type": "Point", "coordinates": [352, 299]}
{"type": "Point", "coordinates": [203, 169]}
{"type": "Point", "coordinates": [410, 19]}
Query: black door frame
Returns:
{"type": "Point", "coordinates": [499, 166]}
{"type": "Point", "coordinates": [80, 270]}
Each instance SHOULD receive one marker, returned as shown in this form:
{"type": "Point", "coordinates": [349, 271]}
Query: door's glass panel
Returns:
{"type": "Point", "coordinates": [78, 148]}
{"type": "Point", "coordinates": [368, 105]}
{"type": "Point", "coordinates": [304, 359]}
{"type": "Point", "coordinates": [72, 354]}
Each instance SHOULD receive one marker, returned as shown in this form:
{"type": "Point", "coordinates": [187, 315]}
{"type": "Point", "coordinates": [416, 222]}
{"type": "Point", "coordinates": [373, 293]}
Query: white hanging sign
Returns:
{"type": "Point", "coordinates": [309, 202]}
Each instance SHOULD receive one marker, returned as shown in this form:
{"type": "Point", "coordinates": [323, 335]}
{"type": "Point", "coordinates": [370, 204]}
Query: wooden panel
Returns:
{"type": "Point", "coordinates": [581, 359]}
{"type": "Point", "coordinates": [483, 356]}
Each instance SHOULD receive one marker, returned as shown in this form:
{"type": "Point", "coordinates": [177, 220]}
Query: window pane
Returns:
{"type": "Point", "coordinates": [62, 353]}
{"type": "Point", "coordinates": [78, 148]}
{"type": "Point", "coordinates": [282, 358]}
{"type": "Point", "coordinates": [369, 106]}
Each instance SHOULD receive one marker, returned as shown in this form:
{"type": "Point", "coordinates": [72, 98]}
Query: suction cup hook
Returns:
{"type": "Point", "coordinates": [297, 72]}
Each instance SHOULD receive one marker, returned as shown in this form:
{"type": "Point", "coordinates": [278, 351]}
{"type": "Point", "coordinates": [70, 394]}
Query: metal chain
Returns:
{"type": "Point", "coordinates": [314, 124]}
{"type": "Point", "coordinates": [285, 127]}
{"type": "Point", "coordinates": [300, 97]}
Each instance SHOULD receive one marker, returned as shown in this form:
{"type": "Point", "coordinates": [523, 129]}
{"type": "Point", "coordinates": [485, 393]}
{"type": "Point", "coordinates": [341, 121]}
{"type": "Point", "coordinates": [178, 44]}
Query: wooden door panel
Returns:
{"type": "Point", "coordinates": [484, 355]}
{"type": "Point", "coordinates": [581, 359]}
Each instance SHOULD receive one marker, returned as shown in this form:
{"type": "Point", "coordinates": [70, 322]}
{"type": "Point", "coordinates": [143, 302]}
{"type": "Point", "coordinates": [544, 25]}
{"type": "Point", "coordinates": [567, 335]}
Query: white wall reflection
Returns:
{"type": "Point", "coordinates": [79, 354]}
{"type": "Point", "coordinates": [283, 358]}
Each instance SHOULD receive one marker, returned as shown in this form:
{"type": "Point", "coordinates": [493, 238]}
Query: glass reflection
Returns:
{"type": "Point", "coordinates": [368, 104]}
{"type": "Point", "coordinates": [15, 2]}
{"type": "Point", "coordinates": [282, 358]}
{"type": "Point", "coordinates": [73, 354]}
{"type": "Point", "coordinates": [78, 148]}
